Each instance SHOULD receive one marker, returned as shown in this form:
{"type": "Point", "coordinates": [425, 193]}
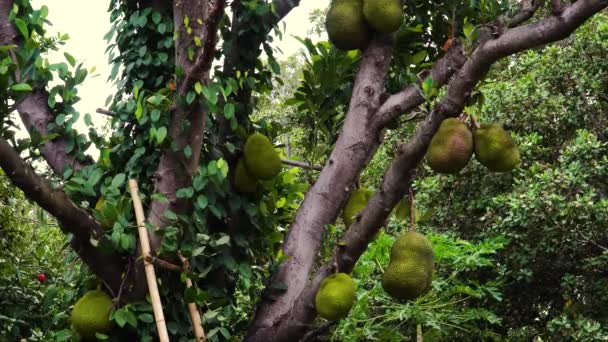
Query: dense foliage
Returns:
{"type": "Point", "coordinates": [519, 255]}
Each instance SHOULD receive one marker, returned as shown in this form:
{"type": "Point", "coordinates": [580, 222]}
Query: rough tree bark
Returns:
{"type": "Point", "coordinates": [287, 316]}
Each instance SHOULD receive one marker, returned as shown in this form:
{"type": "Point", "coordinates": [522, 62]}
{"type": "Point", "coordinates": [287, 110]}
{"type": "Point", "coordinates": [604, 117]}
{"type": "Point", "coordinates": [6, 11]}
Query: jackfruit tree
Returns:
{"type": "Point", "coordinates": [184, 122]}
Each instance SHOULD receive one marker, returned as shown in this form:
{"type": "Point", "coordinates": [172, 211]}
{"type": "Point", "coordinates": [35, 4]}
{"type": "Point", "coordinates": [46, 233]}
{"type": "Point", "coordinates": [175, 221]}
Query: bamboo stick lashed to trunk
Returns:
{"type": "Point", "coordinates": [157, 307]}
{"type": "Point", "coordinates": [197, 324]}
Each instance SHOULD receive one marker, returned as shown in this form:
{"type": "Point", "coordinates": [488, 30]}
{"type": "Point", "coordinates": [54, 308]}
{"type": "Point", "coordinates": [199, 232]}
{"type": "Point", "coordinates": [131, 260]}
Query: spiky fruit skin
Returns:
{"type": "Point", "coordinates": [410, 271]}
{"type": "Point", "coordinates": [346, 26]}
{"type": "Point", "coordinates": [495, 148]}
{"type": "Point", "coordinates": [261, 159]}
{"type": "Point", "coordinates": [385, 16]}
{"type": "Point", "coordinates": [451, 147]}
{"type": "Point", "coordinates": [244, 181]}
{"type": "Point", "coordinates": [335, 297]}
{"type": "Point", "coordinates": [356, 202]}
{"type": "Point", "coordinates": [91, 314]}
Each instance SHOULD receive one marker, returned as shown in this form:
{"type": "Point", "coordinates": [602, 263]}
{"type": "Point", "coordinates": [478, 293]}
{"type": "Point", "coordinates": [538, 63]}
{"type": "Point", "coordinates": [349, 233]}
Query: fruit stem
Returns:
{"type": "Point", "coordinates": [412, 215]}
{"type": "Point", "coordinates": [474, 121]}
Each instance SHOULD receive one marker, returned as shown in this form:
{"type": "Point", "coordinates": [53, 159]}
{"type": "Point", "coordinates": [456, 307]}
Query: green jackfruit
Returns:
{"type": "Point", "coordinates": [384, 16]}
{"type": "Point", "coordinates": [495, 148]}
{"type": "Point", "coordinates": [335, 297]}
{"type": "Point", "coordinates": [91, 314]}
{"type": "Point", "coordinates": [451, 147]}
{"type": "Point", "coordinates": [261, 159]}
{"type": "Point", "coordinates": [244, 181]}
{"type": "Point", "coordinates": [356, 202]}
{"type": "Point", "coordinates": [410, 271]}
{"type": "Point", "coordinates": [346, 26]}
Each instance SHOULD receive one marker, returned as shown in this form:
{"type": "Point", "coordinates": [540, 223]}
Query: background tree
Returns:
{"type": "Point", "coordinates": [180, 122]}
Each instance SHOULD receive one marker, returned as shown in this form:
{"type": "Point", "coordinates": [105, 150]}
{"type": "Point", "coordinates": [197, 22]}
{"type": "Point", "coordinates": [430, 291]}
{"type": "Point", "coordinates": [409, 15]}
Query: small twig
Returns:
{"type": "Point", "coordinates": [412, 214]}
{"type": "Point", "coordinates": [106, 112]}
{"type": "Point", "coordinates": [474, 121]}
{"type": "Point", "coordinates": [163, 264]}
{"type": "Point", "coordinates": [122, 284]}
{"type": "Point", "coordinates": [301, 164]}
{"type": "Point", "coordinates": [318, 331]}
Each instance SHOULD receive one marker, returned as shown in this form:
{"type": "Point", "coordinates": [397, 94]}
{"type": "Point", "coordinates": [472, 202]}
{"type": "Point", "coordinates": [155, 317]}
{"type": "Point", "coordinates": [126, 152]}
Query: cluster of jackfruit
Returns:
{"type": "Point", "coordinates": [453, 145]}
{"type": "Point", "coordinates": [356, 202]}
{"type": "Point", "coordinates": [259, 162]}
{"type": "Point", "coordinates": [91, 314]}
{"type": "Point", "coordinates": [335, 296]}
{"type": "Point", "coordinates": [351, 23]}
{"type": "Point", "coordinates": [410, 271]}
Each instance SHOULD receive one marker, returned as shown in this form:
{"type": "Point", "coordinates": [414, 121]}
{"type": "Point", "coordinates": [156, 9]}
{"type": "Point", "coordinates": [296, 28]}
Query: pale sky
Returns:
{"type": "Point", "coordinates": [88, 21]}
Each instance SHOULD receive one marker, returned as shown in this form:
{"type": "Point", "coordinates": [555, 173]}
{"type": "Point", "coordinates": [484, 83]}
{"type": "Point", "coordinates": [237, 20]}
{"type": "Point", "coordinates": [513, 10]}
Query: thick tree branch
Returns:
{"type": "Point", "coordinates": [527, 8]}
{"type": "Point", "coordinates": [55, 201]}
{"type": "Point", "coordinates": [71, 218]}
{"type": "Point", "coordinates": [34, 110]}
{"type": "Point", "coordinates": [299, 314]}
{"type": "Point", "coordinates": [327, 195]}
{"type": "Point", "coordinates": [36, 116]}
{"type": "Point", "coordinates": [411, 96]}
{"type": "Point", "coordinates": [204, 61]}
{"type": "Point", "coordinates": [176, 168]}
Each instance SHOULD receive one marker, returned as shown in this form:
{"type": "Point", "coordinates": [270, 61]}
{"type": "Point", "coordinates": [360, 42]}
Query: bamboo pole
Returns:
{"type": "Point", "coordinates": [197, 324]}
{"type": "Point", "coordinates": [159, 317]}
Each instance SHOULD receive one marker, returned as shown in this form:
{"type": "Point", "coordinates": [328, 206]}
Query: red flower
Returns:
{"type": "Point", "coordinates": [41, 277]}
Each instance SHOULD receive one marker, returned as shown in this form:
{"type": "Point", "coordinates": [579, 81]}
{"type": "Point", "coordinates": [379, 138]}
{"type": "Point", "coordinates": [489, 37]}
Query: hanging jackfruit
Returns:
{"type": "Point", "coordinates": [451, 147]}
{"type": "Point", "coordinates": [91, 314]}
{"type": "Point", "coordinates": [410, 271]}
{"type": "Point", "coordinates": [384, 16]}
{"type": "Point", "coordinates": [356, 202]}
{"type": "Point", "coordinates": [244, 181]}
{"type": "Point", "coordinates": [346, 26]}
{"type": "Point", "coordinates": [495, 148]}
{"type": "Point", "coordinates": [261, 159]}
{"type": "Point", "coordinates": [336, 296]}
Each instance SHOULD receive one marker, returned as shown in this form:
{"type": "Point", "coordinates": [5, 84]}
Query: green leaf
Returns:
{"type": "Point", "coordinates": [170, 215]}
{"type": "Point", "coordinates": [156, 17]}
{"type": "Point", "coordinates": [223, 240]}
{"type": "Point", "coordinates": [60, 119]}
{"type": "Point", "coordinates": [198, 87]}
{"type": "Point", "coordinates": [21, 87]}
{"type": "Point", "coordinates": [228, 110]}
{"type": "Point", "coordinates": [118, 180]}
{"type": "Point", "coordinates": [202, 201]}
{"type": "Point", "coordinates": [70, 59]}
{"type": "Point", "coordinates": [161, 134]}
{"type": "Point", "coordinates": [184, 193]}
{"type": "Point", "coordinates": [22, 27]}
{"type": "Point", "coordinates": [120, 317]}
{"type": "Point", "coordinates": [190, 97]}
{"type": "Point", "coordinates": [146, 318]}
